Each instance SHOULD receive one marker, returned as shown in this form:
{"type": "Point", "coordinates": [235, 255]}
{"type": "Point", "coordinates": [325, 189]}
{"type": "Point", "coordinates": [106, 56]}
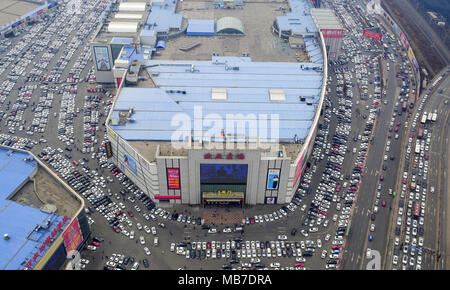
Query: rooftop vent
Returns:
{"type": "Point", "coordinates": [6, 237]}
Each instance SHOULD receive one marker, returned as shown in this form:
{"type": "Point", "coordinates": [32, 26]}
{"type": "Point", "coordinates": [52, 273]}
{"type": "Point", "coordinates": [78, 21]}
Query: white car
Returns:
{"type": "Point", "coordinates": [395, 260]}
{"type": "Point", "coordinates": [227, 230]}
{"type": "Point", "coordinates": [212, 231]}
{"type": "Point", "coordinates": [324, 254]}
{"type": "Point", "coordinates": [275, 265]}
{"type": "Point", "coordinates": [147, 229]}
{"type": "Point", "coordinates": [153, 231]}
{"type": "Point", "coordinates": [372, 227]}
{"type": "Point", "coordinates": [147, 251]}
{"type": "Point", "coordinates": [142, 240]}
{"type": "Point", "coordinates": [327, 237]}
{"type": "Point", "coordinates": [282, 237]}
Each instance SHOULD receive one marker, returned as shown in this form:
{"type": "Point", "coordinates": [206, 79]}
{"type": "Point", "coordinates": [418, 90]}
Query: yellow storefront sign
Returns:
{"type": "Point", "coordinates": [223, 194]}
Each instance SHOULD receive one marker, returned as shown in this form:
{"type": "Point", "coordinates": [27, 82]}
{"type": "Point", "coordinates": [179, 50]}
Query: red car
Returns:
{"type": "Point", "coordinates": [396, 129]}
{"type": "Point", "coordinates": [383, 203]}
{"type": "Point", "coordinates": [208, 245]}
{"type": "Point", "coordinates": [116, 229]}
{"type": "Point", "coordinates": [389, 135]}
{"type": "Point", "coordinates": [252, 220]}
{"type": "Point", "coordinates": [94, 243]}
{"type": "Point", "coordinates": [399, 123]}
{"type": "Point", "coordinates": [131, 214]}
{"type": "Point", "coordinates": [297, 265]}
{"type": "Point", "coordinates": [336, 247]}
{"type": "Point", "coordinates": [381, 177]}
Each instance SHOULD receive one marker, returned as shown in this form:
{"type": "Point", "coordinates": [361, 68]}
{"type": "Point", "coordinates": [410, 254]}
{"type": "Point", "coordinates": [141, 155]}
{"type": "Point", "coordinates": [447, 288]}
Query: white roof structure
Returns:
{"type": "Point", "coordinates": [128, 16]}
{"type": "Point", "coordinates": [325, 18]}
{"type": "Point", "coordinates": [132, 6]}
{"type": "Point", "coordinates": [123, 27]}
{"type": "Point", "coordinates": [229, 25]}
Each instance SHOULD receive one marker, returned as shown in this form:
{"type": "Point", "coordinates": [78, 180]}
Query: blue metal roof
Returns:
{"type": "Point", "coordinates": [122, 40]}
{"type": "Point", "coordinates": [181, 93]}
{"type": "Point", "coordinates": [200, 27]}
{"type": "Point", "coordinates": [299, 20]}
{"type": "Point", "coordinates": [17, 220]}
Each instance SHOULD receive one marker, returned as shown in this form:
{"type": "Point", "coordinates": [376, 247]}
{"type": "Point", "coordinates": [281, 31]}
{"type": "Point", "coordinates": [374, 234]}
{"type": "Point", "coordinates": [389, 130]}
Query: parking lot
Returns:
{"type": "Point", "coordinates": [51, 104]}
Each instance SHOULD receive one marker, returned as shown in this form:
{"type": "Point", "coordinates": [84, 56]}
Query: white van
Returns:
{"type": "Point", "coordinates": [155, 241]}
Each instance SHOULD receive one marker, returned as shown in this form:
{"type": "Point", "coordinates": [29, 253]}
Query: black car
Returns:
{"type": "Point", "coordinates": [373, 216]}
{"type": "Point", "coordinates": [145, 262]}
{"type": "Point", "coordinates": [293, 231]}
{"type": "Point", "coordinates": [226, 267]}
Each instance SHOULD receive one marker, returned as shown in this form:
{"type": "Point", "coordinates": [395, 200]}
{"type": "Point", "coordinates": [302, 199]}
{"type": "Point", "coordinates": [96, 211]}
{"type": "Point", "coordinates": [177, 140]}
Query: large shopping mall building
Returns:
{"type": "Point", "coordinates": [216, 100]}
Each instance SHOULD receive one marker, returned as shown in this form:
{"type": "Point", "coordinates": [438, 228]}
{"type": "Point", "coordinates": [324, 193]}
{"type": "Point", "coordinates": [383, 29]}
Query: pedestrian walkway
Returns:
{"type": "Point", "coordinates": [222, 217]}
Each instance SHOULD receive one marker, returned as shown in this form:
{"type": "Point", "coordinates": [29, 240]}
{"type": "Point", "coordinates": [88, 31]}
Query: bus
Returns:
{"type": "Point", "coordinates": [417, 151]}
{"type": "Point", "coordinates": [416, 209]}
{"type": "Point", "coordinates": [420, 133]}
{"type": "Point", "coordinates": [424, 118]}
{"type": "Point", "coordinates": [434, 117]}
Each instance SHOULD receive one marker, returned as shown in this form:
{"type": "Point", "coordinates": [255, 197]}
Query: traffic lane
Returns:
{"type": "Point", "coordinates": [368, 187]}
{"type": "Point", "coordinates": [433, 210]}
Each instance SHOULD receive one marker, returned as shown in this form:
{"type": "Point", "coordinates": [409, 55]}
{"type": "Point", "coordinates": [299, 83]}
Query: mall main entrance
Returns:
{"type": "Point", "coordinates": [223, 184]}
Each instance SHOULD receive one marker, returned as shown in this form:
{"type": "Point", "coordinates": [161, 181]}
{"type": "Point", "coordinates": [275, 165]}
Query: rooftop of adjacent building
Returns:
{"type": "Point", "coordinates": [32, 204]}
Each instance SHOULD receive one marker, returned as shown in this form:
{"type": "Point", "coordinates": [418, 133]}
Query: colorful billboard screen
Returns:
{"type": "Point", "coordinates": [130, 162]}
{"type": "Point", "coordinates": [102, 58]}
{"type": "Point", "coordinates": [72, 236]}
{"type": "Point", "coordinates": [371, 34]}
{"type": "Point", "coordinates": [223, 173]}
{"type": "Point", "coordinates": [273, 178]}
{"type": "Point", "coordinates": [173, 178]}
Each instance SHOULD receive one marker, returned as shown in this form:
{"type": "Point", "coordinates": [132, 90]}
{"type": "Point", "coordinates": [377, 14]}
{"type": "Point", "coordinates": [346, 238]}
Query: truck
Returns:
{"type": "Point", "coordinates": [434, 117]}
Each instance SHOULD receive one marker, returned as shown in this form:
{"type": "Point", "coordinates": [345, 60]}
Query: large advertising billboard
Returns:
{"type": "Point", "coordinates": [273, 178]}
{"type": "Point", "coordinates": [332, 33]}
{"type": "Point", "coordinates": [130, 162]}
{"type": "Point", "coordinates": [371, 34]}
{"type": "Point", "coordinates": [102, 58]}
{"type": "Point", "coordinates": [72, 236]}
{"type": "Point", "coordinates": [173, 178]}
{"type": "Point", "coordinates": [223, 173]}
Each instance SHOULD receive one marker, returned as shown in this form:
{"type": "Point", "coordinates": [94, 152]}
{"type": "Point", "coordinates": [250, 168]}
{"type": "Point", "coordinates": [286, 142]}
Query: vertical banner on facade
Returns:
{"type": "Point", "coordinates": [298, 169]}
{"type": "Point", "coordinates": [273, 178]}
{"type": "Point", "coordinates": [102, 58]}
{"type": "Point", "coordinates": [173, 178]}
{"type": "Point", "coordinates": [108, 149]}
{"type": "Point", "coordinates": [72, 236]}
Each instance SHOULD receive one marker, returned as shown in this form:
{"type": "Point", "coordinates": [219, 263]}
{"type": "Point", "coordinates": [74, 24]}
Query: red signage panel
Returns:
{"type": "Point", "coordinates": [332, 33]}
{"type": "Point", "coordinates": [72, 236]}
{"type": "Point", "coordinates": [167, 196]}
{"type": "Point", "coordinates": [173, 178]}
{"type": "Point", "coordinates": [371, 34]}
